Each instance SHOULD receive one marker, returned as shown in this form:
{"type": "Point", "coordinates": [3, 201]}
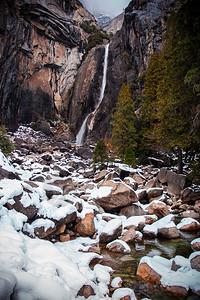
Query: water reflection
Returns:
{"type": "Point", "coordinates": [125, 266]}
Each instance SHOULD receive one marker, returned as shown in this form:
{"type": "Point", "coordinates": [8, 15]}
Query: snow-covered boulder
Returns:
{"type": "Point", "coordinates": [188, 224]}
{"type": "Point", "coordinates": [118, 246]}
{"type": "Point", "coordinates": [112, 195]}
{"type": "Point", "coordinates": [158, 270]}
{"type": "Point", "coordinates": [195, 244]}
{"type": "Point", "coordinates": [20, 196]}
{"type": "Point", "coordinates": [111, 231]}
{"type": "Point", "coordinates": [123, 293]}
{"type": "Point", "coordinates": [195, 260]}
{"type": "Point", "coordinates": [58, 210]}
{"type": "Point", "coordinates": [164, 227]}
{"type": "Point", "coordinates": [40, 228]}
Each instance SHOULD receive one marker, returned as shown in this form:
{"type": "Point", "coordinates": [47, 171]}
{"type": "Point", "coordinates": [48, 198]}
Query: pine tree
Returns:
{"type": "Point", "coordinates": [100, 155]}
{"type": "Point", "coordinates": [172, 95]}
{"type": "Point", "coordinates": [6, 145]}
{"type": "Point", "coordinates": [124, 135]}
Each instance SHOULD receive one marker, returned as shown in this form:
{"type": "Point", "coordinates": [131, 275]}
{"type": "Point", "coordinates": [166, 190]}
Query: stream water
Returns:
{"type": "Point", "coordinates": [125, 266]}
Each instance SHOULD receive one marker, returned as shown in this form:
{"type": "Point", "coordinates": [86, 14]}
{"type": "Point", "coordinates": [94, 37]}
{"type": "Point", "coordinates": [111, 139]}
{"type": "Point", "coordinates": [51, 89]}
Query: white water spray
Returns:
{"type": "Point", "coordinates": [81, 133]}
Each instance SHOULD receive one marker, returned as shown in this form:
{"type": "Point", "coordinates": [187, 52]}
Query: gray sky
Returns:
{"type": "Point", "coordinates": [108, 7]}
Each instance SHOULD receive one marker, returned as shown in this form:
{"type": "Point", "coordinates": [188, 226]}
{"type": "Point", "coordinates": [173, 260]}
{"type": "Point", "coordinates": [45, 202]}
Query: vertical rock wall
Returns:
{"type": "Point", "coordinates": [41, 47]}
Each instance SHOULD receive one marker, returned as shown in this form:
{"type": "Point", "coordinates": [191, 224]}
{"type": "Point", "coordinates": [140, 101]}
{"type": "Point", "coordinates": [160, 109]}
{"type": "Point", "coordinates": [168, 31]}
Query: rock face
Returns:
{"type": "Point", "coordinates": [41, 46]}
{"type": "Point", "coordinates": [130, 51]}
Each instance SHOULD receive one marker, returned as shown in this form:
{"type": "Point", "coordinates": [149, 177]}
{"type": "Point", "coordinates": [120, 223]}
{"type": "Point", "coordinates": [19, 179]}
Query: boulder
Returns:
{"type": "Point", "coordinates": [195, 260]}
{"type": "Point", "coordinates": [119, 195]}
{"type": "Point", "coordinates": [195, 244]}
{"type": "Point", "coordinates": [86, 291]}
{"type": "Point", "coordinates": [58, 210]}
{"type": "Point", "coordinates": [100, 175]}
{"type": "Point", "coordinates": [154, 192]}
{"type": "Point", "coordinates": [30, 211]}
{"type": "Point", "coordinates": [131, 182]}
{"type": "Point", "coordinates": [158, 208]}
{"type": "Point", "coordinates": [145, 272]}
{"type": "Point", "coordinates": [118, 246]}
{"type": "Point", "coordinates": [175, 182]}
{"type": "Point", "coordinates": [132, 210]}
{"type": "Point", "coordinates": [177, 291]}
{"type": "Point", "coordinates": [169, 233]}
{"type": "Point", "coordinates": [40, 228]}
{"type": "Point", "coordinates": [129, 235]}
{"type": "Point", "coordinates": [188, 224]}
{"type": "Point", "coordinates": [138, 178]}
{"type": "Point", "coordinates": [86, 226]}
{"type": "Point", "coordinates": [123, 294]}
{"type": "Point", "coordinates": [190, 195]}
{"type": "Point", "coordinates": [8, 174]}
{"type": "Point", "coordinates": [111, 231]}
{"type": "Point", "coordinates": [65, 237]}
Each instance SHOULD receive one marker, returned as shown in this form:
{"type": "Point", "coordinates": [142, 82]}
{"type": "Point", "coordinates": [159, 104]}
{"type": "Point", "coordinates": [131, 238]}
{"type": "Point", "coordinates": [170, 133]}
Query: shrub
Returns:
{"type": "Point", "coordinates": [6, 145]}
{"type": "Point", "coordinates": [96, 39]}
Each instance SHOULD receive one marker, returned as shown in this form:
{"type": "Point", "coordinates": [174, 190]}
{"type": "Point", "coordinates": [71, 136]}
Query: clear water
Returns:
{"type": "Point", "coordinates": [125, 266]}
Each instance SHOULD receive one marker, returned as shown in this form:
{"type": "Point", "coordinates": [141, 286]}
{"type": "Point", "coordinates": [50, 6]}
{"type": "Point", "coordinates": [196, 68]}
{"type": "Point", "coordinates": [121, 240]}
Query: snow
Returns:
{"type": "Point", "coordinates": [56, 209]}
{"type": "Point", "coordinates": [195, 241]}
{"type": "Point", "coordinates": [111, 226]}
{"type": "Point", "coordinates": [5, 164]}
{"type": "Point", "coordinates": [115, 282]}
{"type": "Point", "coordinates": [194, 254]}
{"type": "Point", "coordinates": [187, 221]}
{"type": "Point", "coordinates": [185, 276]}
{"type": "Point", "coordinates": [122, 292]}
{"type": "Point", "coordinates": [101, 192]}
{"type": "Point", "coordinates": [127, 249]}
{"type": "Point", "coordinates": [38, 223]}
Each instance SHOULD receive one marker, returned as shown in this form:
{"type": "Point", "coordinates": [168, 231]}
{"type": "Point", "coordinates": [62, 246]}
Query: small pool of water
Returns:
{"type": "Point", "coordinates": [125, 265]}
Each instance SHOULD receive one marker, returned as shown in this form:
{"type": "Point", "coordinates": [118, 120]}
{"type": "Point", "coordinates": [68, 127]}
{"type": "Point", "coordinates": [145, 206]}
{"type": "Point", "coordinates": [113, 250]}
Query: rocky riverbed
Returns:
{"type": "Point", "coordinates": [67, 232]}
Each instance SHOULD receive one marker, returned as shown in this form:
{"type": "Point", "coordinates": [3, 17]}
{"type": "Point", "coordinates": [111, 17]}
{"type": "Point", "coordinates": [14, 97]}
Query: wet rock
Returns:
{"type": "Point", "coordinates": [169, 233]}
{"type": "Point", "coordinates": [86, 226]}
{"type": "Point", "coordinates": [145, 272]}
{"type": "Point", "coordinates": [177, 291]}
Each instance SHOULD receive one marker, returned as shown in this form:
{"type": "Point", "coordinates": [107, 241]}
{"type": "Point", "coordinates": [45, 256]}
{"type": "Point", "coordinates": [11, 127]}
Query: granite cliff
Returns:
{"type": "Point", "coordinates": [41, 47]}
{"type": "Point", "coordinates": [46, 72]}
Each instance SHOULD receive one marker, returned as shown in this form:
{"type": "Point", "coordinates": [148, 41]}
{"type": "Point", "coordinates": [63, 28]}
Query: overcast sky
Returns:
{"type": "Point", "coordinates": [108, 7]}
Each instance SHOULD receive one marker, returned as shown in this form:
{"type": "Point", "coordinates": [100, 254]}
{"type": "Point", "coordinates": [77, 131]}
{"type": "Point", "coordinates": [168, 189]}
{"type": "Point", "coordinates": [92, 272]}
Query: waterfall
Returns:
{"type": "Point", "coordinates": [81, 133]}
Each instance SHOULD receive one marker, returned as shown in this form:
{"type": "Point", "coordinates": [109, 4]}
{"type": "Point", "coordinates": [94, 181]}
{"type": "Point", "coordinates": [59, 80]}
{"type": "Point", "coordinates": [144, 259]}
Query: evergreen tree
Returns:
{"type": "Point", "coordinates": [6, 145]}
{"type": "Point", "coordinates": [172, 89]}
{"type": "Point", "coordinates": [100, 155]}
{"type": "Point", "coordinates": [124, 136]}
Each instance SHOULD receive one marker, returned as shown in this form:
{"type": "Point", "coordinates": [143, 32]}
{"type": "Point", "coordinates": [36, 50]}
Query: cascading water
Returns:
{"type": "Point", "coordinates": [81, 133]}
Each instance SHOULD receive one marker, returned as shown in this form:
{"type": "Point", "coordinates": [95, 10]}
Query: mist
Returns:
{"type": "Point", "coordinates": [110, 8]}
